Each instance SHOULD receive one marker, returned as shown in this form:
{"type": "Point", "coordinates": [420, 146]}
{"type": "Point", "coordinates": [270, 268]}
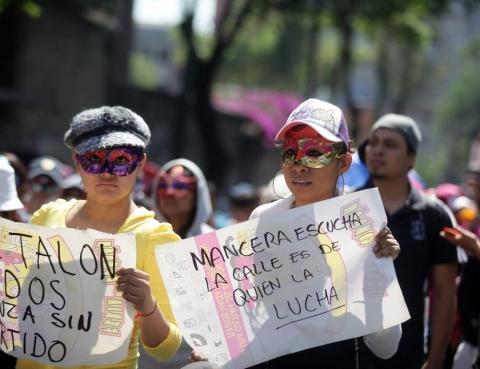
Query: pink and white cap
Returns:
{"type": "Point", "coordinates": [325, 118]}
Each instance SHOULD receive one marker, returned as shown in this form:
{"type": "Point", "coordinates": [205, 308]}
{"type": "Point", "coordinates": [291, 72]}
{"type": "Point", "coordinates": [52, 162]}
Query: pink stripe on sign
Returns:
{"type": "Point", "coordinates": [228, 312]}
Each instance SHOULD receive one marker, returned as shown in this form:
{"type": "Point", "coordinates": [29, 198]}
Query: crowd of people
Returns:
{"type": "Point", "coordinates": [432, 233]}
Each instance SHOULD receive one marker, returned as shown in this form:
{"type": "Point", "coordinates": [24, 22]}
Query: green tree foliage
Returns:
{"type": "Point", "coordinates": [33, 8]}
{"type": "Point", "coordinates": [308, 45]}
{"type": "Point", "coordinates": [456, 123]}
{"type": "Point", "coordinates": [143, 70]}
{"type": "Point", "coordinates": [401, 64]}
{"type": "Point", "coordinates": [275, 48]}
{"type": "Point", "coordinates": [29, 7]}
{"type": "Point", "coordinates": [200, 70]}
{"type": "Point", "coordinates": [270, 52]}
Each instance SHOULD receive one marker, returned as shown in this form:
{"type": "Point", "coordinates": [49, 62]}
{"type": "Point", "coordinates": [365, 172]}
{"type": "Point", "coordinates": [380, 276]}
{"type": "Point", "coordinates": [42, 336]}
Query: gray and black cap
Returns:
{"type": "Point", "coordinates": [401, 124]}
{"type": "Point", "coordinates": [106, 127]}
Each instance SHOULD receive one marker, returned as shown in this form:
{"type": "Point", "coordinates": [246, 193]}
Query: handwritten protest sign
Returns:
{"type": "Point", "coordinates": [284, 283]}
{"type": "Point", "coordinates": [58, 303]}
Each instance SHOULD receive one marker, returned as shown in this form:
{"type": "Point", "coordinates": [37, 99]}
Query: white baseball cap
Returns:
{"type": "Point", "coordinates": [325, 118]}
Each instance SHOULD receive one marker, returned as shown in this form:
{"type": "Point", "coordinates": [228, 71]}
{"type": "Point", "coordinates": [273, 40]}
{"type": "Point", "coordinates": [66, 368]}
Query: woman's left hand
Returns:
{"type": "Point", "coordinates": [135, 285]}
{"type": "Point", "coordinates": [386, 244]}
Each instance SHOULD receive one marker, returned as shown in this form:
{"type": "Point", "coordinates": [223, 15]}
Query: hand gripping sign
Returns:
{"type": "Point", "coordinates": [284, 283]}
{"type": "Point", "coordinates": [58, 302]}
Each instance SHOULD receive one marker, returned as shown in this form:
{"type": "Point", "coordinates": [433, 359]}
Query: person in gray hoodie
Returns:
{"type": "Point", "coordinates": [180, 196]}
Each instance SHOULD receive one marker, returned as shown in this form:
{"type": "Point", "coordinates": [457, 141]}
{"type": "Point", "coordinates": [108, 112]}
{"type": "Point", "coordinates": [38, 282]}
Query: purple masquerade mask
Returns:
{"type": "Point", "coordinates": [176, 183]}
{"type": "Point", "coordinates": [119, 161]}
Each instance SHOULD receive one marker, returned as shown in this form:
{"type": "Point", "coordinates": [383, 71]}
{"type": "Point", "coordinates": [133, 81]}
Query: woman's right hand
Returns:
{"type": "Point", "coordinates": [465, 239]}
{"type": "Point", "coordinates": [197, 361]}
{"type": "Point", "coordinates": [195, 356]}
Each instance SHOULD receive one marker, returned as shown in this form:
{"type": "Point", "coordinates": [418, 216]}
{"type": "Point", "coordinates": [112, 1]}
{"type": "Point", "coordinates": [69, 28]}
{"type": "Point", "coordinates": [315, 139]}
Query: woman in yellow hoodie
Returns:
{"type": "Point", "coordinates": [108, 148]}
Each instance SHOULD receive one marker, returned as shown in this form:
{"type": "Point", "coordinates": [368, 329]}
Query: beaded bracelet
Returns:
{"type": "Point", "coordinates": [150, 313]}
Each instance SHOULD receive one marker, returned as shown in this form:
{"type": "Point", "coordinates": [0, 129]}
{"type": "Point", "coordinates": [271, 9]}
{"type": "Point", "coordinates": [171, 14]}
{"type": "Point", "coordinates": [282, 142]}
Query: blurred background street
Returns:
{"type": "Point", "coordinates": [216, 79]}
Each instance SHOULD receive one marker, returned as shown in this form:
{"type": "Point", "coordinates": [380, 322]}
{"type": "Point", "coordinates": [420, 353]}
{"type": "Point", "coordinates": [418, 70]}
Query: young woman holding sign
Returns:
{"type": "Point", "coordinates": [108, 145]}
{"type": "Point", "coordinates": [316, 151]}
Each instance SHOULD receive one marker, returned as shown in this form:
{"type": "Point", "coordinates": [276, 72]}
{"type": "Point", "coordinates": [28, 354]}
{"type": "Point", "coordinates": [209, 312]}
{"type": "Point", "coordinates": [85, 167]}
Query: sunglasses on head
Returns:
{"type": "Point", "coordinates": [310, 152]}
{"type": "Point", "coordinates": [179, 185]}
{"type": "Point", "coordinates": [119, 161]}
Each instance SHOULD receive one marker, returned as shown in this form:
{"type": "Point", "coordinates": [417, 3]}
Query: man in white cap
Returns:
{"type": "Point", "coordinates": [45, 177]}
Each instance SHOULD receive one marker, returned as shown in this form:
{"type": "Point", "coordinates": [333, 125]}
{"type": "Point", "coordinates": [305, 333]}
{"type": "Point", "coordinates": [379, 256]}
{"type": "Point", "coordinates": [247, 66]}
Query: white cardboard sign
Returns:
{"type": "Point", "coordinates": [276, 285]}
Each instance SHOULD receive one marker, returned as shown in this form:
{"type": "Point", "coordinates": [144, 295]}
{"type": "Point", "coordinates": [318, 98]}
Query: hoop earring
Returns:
{"type": "Point", "coordinates": [273, 185]}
